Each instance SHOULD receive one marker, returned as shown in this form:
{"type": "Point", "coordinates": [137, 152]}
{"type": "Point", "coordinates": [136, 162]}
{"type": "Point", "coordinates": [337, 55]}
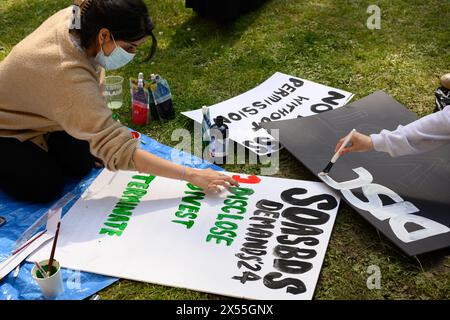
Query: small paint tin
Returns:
{"type": "Point", "coordinates": [51, 286]}
{"type": "Point", "coordinates": [136, 135]}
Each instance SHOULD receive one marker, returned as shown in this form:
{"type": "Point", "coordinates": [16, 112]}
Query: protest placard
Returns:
{"type": "Point", "coordinates": [280, 97]}
{"type": "Point", "coordinates": [264, 240]}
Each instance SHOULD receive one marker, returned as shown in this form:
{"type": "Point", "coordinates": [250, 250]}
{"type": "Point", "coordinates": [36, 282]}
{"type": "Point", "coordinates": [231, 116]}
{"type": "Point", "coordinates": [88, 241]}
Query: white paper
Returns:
{"type": "Point", "coordinates": [282, 100]}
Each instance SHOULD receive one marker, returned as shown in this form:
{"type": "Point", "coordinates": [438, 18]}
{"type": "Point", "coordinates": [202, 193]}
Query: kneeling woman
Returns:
{"type": "Point", "coordinates": [53, 117]}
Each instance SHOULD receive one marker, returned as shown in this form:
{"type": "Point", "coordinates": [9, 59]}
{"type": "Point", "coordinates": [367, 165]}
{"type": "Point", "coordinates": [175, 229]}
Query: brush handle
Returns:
{"type": "Point", "coordinates": [346, 141]}
{"type": "Point", "coordinates": [52, 254]}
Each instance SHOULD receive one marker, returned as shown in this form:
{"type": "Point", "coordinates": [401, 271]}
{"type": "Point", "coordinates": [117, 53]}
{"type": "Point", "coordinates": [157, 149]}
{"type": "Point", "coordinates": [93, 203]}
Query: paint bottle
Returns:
{"type": "Point", "coordinates": [140, 103]}
{"type": "Point", "coordinates": [219, 141]}
{"type": "Point", "coordinates": [163, 99]}
{"type": "Point", "coordinates": [206, 127]}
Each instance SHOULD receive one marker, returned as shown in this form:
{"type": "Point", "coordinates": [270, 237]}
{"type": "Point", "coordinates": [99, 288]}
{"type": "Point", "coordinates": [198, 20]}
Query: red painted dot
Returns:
{"type": "Point", "coordinates": [135, 135]}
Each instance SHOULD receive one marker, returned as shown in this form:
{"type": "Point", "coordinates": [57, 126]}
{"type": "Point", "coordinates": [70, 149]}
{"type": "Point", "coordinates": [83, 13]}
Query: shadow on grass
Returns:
{"type": "Point", "coordinates": [21, 18]}
{"type": "Point", "coordinates": [227, 33]}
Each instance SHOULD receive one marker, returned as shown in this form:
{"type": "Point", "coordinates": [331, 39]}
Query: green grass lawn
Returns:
{"type": "Point", "coordinates": [325, 41]}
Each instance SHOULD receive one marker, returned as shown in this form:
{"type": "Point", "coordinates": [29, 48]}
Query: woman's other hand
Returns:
{"type": "Point", "coordinates": [209, 180]}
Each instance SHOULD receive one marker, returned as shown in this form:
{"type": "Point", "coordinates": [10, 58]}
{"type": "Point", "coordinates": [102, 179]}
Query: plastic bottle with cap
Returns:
{"type": "Point", "coordinates": [153, 112]}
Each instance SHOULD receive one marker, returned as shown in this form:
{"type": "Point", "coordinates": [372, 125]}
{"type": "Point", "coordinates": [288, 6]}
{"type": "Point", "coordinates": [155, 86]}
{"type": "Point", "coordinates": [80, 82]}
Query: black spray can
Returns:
{"type": "Point", "coordinates": [219, 144]}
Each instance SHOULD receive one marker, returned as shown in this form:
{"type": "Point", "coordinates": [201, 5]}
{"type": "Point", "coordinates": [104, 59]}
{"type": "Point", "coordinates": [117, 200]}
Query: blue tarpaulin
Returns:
{"type": "Point", "coordinates": [20, 216]}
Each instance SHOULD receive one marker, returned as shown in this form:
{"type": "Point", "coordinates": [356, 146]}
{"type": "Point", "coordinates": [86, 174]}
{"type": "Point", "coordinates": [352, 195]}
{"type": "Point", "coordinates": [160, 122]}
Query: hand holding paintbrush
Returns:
{"type": "Point", "coordinates": [338, 150]}
{"type": "Point", "coordinates": [358, 143]}
{"type": "Point", "coordinates": [353, 142]}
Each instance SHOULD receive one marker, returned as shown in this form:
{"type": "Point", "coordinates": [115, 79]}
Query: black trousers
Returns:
{"type": "Point", "coordinates": [28, 173]}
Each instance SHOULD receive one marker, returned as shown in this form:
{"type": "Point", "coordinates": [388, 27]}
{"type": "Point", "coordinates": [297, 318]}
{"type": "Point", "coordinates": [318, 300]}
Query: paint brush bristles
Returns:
{"type": "Point", "coordinates": [328, 168]}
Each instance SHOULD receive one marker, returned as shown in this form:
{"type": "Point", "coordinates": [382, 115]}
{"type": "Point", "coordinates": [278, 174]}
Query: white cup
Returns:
{"type": "Point", "coordinates": [51, 286]}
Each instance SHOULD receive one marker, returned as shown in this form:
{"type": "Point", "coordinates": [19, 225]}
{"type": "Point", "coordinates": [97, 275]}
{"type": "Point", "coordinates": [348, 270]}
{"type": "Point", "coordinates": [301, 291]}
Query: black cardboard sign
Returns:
{"type": "Point", "coordinates": [408, 199]}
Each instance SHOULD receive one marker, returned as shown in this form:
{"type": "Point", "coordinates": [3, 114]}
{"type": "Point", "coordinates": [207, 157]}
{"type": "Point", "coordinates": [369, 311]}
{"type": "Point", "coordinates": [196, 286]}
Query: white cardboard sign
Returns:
{"type": "Point", "coordinates": [265, 240]}
{"type": "Point", "coordinates": [281, 97]}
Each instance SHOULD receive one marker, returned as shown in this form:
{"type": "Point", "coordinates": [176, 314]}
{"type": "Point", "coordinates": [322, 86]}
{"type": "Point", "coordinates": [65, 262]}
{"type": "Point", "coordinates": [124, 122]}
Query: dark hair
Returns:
{"type": "Point", "coordinates": [127, 20]}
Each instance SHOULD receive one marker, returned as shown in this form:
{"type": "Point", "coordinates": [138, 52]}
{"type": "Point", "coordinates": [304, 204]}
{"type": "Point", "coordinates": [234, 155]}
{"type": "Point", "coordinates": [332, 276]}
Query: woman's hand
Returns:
{"type": "Point", "coordinates": [358, 143]}
{"type": "Point", "coordinates": [209, 180]}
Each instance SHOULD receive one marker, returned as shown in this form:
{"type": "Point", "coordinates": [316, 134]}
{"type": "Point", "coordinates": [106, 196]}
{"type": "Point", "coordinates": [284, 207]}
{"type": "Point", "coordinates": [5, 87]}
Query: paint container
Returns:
{"type": "Point", "coordinates": [136, 135]}
{"type": "Point", "coordinates": [51, 286]}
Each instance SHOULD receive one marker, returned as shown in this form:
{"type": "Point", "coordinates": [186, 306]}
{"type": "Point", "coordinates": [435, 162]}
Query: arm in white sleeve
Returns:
{"type": "Point", "coordinates": [420, 136]}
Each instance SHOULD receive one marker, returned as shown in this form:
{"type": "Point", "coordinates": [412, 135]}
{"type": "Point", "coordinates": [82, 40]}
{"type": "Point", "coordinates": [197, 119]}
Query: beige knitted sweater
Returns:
{"type": "Point", "coordinates": [47, 84]}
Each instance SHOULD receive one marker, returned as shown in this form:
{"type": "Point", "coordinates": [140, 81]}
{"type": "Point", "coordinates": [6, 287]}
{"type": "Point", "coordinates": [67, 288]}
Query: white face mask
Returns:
{"type": "Point", "coordinates": [118, 58]}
